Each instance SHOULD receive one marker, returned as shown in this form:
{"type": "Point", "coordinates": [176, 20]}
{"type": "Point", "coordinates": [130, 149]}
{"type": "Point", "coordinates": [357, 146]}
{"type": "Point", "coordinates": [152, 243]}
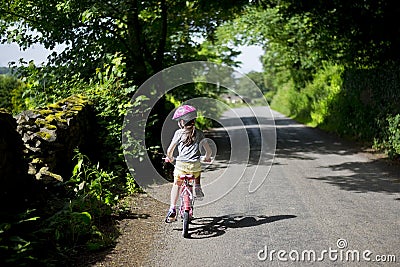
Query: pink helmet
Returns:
{"type": "Point", "coordinates": [185, 113]}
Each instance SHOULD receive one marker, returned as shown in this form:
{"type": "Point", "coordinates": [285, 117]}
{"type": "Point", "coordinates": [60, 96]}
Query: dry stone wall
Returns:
{"type": "Point", "coordinates": [13, 167]}
{"type": "Point", "coordinates": [51, 134]}
{"type": "Point", "coordinates": [39, 144]}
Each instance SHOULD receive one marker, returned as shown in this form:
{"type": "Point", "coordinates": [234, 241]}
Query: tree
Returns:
{"type": "Point", "coordinates": [150, 35]}
{"type": "Point", "coordinates": [359, 32]}
{"type": "Point", "coordinates": [4, 70]}
{"type": "Point", "coordinates": [289, 42]}
{"type": "Point", "coordinates": [9, 86]}
{"type": "Point", "coordinates": [299, 37]}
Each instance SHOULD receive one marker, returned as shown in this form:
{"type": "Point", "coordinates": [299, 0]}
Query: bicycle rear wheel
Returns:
{"type": "Point", "coordinates": [185, 230]}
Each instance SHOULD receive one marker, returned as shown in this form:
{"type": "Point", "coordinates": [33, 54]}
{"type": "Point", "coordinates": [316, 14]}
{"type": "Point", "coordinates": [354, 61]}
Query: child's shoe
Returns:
{"type": "Point", "coordinates": [198, 192]}
{"type": "Point", "coordinates": [171, 215]}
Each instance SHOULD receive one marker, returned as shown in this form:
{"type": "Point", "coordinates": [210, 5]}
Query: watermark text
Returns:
{"type": "Point", "coordinates": [340, 253]}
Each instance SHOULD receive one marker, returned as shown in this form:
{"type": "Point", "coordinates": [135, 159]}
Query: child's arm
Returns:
{"type": "Point", "coordinates": [208, 151]}
{"type": "Point", "coordinates": [170, 152]}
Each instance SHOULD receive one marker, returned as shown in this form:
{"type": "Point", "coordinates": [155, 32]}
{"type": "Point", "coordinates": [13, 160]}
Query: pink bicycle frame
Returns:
{"type": "Point", "coordinates": [187, 198]}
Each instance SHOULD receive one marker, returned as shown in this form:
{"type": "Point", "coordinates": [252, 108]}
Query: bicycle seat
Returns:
{"type": "Point", "coordinates": [186, 176]}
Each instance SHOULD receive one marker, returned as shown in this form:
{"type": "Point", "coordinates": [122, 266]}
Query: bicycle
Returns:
{"type": "Point", "coordinates": [187, 200]}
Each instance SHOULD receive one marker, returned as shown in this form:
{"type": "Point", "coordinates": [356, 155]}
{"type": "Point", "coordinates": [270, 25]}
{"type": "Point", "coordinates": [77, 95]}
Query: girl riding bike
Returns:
{"type": "Point", "coordinates": [187, 139]}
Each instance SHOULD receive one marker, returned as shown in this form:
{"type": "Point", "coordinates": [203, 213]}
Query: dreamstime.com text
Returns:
{"type": "Point", "coordinates": [339, 254]}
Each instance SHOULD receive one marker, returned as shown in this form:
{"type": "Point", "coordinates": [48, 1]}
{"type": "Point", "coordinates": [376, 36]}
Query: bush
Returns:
{"type": "Point", "coordinates": [291, 102]}
{"type": "Point", "coordinates": [390, 139]}
{"type": "Point", "coordinates": [16, 240]}
{"type": "Point", "coordinates": [71, 219]}
{"type": "Point", "coordinates": [367, 98]}
{"type": "Point", "coordinates": [11, 89]}
{"type": "Point", "coordinates": [322, 93]}
{"type": "Point", "coordinates": [351, 102]}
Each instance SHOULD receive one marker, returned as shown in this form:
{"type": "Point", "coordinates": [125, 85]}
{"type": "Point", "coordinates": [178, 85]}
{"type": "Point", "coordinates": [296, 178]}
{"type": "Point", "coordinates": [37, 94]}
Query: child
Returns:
{"type": "Point", "coordinates": [187, 139]}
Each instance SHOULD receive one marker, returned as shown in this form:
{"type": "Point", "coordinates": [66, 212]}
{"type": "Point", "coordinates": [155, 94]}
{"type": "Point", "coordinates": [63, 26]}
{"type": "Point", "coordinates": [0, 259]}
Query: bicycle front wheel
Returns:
{"type": "Point", "coordinates": [185, 230]}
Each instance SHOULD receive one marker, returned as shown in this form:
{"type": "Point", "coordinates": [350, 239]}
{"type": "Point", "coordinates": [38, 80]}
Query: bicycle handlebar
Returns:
{"type": "Point", "coordinates": [166, 159]}
{"type": "Point", "coordinates": [202, 159]}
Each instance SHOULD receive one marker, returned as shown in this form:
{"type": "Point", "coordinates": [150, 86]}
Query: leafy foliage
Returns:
{"type": "Point", "coordinates": [150, 35]}
{"type": "Point", "coordinates": [16, 245]}
{"type": "Point", "coordinates": [10, 89]}
{"type": "Point", "coordinates": [332, 65]}
{"type": "Point", "coordinates": [289, 42]}
{"type": "Point", "coordinates": [390, 140]}
{"type": "Point", "coordinates": [93, 185]}
{"type": "Point", "coordinates": [98, 187]}
{"type": "Point", "coordinates": [108, 91]}
{"type": "Point", "coordinates": [355, 32]}
{"type": "Point", "coordinates": [349, 102]}
{"type": "Point", "coordinates": [68, 228]}
{"type": "Point", "coordinates": [322, 92]}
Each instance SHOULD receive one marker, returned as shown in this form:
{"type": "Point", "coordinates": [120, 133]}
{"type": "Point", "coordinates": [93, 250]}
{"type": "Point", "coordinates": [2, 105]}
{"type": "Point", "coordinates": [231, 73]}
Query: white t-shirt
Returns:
{"type": "Point", "coordinates": [190, 153]}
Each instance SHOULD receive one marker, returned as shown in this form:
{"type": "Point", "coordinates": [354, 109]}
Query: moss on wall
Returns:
{"type": "Point", "coordinates": [51, 134]}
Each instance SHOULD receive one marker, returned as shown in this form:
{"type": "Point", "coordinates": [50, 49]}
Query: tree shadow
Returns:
{"type": "Point", "coordinates": [299, 142]}
{"type": "Point", "coordinates": [252, 127]}
{"type": "Point", "coordinates": [372, 176]}
{"type": "Point", "coordinates": [210, 227]}
{"type": "Point", "coordinates": [294, 141]}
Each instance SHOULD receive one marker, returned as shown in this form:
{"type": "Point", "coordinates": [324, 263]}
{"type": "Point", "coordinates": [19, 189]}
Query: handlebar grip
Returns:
{"type": "Point", "coordinates": [203, 159]}
{"type": "Point", "coordinates": [167, 160]}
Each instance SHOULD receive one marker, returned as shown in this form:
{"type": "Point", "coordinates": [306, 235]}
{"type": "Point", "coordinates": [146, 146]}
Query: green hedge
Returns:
{"type": "Point", "coordinates": [362, 104]}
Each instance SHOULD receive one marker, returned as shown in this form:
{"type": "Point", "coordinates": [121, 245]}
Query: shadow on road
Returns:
{"type": "Point", "coordinates": [355, 173]}
{"type": "Point", "coordinates": [252, 132]}
{"type": "Point", "coordinates": [296, 142]}
{"type": "Point", "coordinates": [370, 176]}
{"type": "Point", "coordinates": [209, 227]}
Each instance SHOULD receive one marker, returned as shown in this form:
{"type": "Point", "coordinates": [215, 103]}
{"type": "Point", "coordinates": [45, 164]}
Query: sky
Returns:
{"type": "Point", "coordinates": [11, 52]}
{"type": "Point", "coordinates": [250, 56]}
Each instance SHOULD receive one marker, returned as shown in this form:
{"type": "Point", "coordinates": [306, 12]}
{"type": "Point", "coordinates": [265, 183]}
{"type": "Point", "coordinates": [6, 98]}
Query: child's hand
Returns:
{"type": "Point", "coordinates": [170, 160]}
{"type": "Point", "coordinates": [206, 160]}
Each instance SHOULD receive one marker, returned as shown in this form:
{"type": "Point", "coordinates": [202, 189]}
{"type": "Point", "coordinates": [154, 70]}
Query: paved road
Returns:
{"type": "Point", "coordinates": [320, 189]}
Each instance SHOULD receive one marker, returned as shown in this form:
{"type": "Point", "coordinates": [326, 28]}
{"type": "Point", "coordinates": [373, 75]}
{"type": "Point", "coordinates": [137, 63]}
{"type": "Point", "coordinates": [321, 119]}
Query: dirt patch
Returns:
{"type": "Point", "coordinates": [137, 233]}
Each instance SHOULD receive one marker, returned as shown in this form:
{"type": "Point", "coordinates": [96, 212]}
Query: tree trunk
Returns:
{"type": "Point", "coordinates": [136, 63]}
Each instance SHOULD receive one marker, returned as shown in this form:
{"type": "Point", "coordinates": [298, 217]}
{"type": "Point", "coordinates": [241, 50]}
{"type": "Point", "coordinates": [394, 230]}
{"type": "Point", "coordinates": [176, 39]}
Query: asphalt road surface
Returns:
{"type": "Point", "coordinates": [323, 202]}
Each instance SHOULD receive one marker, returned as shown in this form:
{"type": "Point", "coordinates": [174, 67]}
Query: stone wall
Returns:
{"type": "Point", "coordinates": [13, 167]}
{"type": "Point", "coordinates": [38, 145]}
{"type": "Point", "coordinates": [51, 134]}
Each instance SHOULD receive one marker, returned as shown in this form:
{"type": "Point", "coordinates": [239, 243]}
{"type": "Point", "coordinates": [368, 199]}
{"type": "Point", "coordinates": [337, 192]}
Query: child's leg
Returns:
{"type": "Point", "coordinates": [175, 189]}
{"type": "Point", "coordinates": [197, 187]}
{"type": "Point", "coordinates": [171, 215]}
{"type": "Point", "coordinates": [197, 176]}
{"type": "Point", "coordinates": [174, 195]}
